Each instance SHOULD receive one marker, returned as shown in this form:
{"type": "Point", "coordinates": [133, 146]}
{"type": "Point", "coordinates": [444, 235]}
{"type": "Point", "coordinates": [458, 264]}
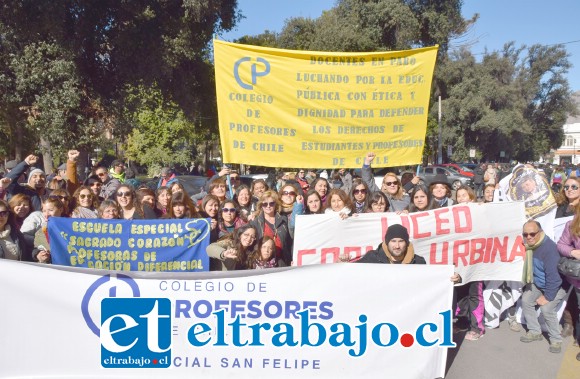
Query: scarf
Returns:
{"type": "Point", "coordinates": [409, 255]}
{"type": "Point", "coordinates": [528, 273]}
{"type": "Point", "coordinates": [443, 202]}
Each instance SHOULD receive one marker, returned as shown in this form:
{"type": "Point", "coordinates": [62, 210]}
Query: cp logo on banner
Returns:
{"type": "Point", "coordinates": [253, 69]}
{"type": "Point", "coordinates": [136, 333]}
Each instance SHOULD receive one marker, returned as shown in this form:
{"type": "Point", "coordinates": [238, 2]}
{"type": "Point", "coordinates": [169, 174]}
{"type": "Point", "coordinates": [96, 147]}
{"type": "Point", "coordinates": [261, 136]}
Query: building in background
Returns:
{"type": "Point", "coordinates": [569, 152]}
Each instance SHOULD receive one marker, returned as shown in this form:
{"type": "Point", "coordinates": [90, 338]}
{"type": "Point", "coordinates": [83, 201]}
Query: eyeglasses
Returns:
{"type": "Point", "coordinates": [357, 191]}
{"type": "Point", "coordinates": [301, 172]}
{"type": "Point", "coordinates": [4, 213]}
{"type": "Point", "coordinates": [234, 178]}
{"type": "Point", "coordinates": [391, 183]}
{"type": "Point", "coordinates": [270, 204]}
{"type": "Point", "coordinates": [96, 184]}
{"type": "Point", "coordinates": [573, 187]}
{"type": "Point", "coordinates": [101, 173]}
{"type": "Point", "coordinates": [530, 234]}
{"type": "Point", "coordinates": [124, 194]}
{"type": "Point", "coordinates": [291, 193]}
{"type": "Point", "coordinates": [229, 210]}
{"type": "Point", "coordinates": [61, 197]}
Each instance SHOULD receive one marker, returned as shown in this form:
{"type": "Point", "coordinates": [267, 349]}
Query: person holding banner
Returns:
{"type": "Point", "coordinates": [488, 192]}
{"type": "Point", "coordinates": [232, 252]}
{"type": "Point", "coordinates": [395, 249]}
{"type": "Point", "coordinates": [269, 222]}
{"type": "Point", "coordinates": [12, 243]}
{"type": "Point", "coordinates": [465, 194]}
{"type": "Point", "coordinates": [543, 286]}
{"type": "Point", "coordinates": [569, 247]}
{"type": "Point", "coordinates": [130, 209]}
{"type": "Point", "coordinates": [338, 202]}
{"type": "Point", "coordinates": [378, 203]}
{"type": "Point", "coordinates": [391, 186]}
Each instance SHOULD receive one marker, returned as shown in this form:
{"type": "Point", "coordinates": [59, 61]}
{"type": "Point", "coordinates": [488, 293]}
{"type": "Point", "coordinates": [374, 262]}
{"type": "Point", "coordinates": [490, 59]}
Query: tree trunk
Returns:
{"type": "Point", "coordinates": [46, 156]}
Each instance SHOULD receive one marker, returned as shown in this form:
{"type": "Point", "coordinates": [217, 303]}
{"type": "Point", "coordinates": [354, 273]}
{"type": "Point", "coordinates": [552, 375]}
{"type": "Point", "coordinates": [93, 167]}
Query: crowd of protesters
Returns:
{"type": "Point", "coordinates": [252, 227]}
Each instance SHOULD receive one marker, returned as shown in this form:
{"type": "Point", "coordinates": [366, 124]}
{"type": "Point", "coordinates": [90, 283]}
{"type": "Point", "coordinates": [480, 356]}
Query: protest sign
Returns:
{"type": "Point", "coordinates": [483, 241]}
{"type": "Point", "coordinates": [245, 324]}
{"type": "Point", "coordinates": [135, 245]}
{"type": "Point", "coordinates": [322, 109]}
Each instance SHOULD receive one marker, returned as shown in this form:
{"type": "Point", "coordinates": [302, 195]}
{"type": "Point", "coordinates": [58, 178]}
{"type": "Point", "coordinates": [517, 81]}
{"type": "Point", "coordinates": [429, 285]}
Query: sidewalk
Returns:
{"type": "Point", "coordinates": [500, 354]}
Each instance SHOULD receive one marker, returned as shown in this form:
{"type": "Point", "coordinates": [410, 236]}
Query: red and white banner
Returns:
{"type": "Point", "coordinates": [308, 322]}
{"type": "Point", "coordinates": [482, 241]}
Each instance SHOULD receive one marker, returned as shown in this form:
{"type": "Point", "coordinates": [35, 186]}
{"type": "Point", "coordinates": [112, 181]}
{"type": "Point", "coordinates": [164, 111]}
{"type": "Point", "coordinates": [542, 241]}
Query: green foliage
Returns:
{"type": "Point", "coordinates": [161, 135]}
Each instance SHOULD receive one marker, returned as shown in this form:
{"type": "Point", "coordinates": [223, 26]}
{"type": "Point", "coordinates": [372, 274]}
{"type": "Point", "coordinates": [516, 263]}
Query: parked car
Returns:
{"type": "Point", "coordinates": [454, 178]}
{"type": "Point", "coordinates": [463, 170]}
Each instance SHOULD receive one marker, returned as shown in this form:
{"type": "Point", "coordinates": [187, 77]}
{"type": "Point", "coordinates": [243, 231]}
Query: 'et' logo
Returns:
{"type": "Point", "coordinates": [135, 333]}
{"type": "Point", "coordinates": [253, 69]}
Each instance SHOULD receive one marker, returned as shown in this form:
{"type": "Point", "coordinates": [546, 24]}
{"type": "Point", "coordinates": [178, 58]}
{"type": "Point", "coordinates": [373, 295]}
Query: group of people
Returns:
{"type": "Point", "coordinates": [252, 227]}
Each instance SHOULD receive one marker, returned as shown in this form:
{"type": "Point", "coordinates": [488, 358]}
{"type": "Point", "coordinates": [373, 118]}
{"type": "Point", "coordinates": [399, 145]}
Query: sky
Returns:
{"type": "Point", "coordinates": [526, 22]}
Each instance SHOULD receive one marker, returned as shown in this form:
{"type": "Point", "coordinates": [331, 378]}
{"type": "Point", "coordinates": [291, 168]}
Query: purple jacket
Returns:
{"type": "Point", "coordinates": [567, 243]}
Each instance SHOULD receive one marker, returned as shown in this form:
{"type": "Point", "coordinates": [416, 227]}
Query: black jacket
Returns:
{"type": "Point", "coordinates": [282, 231]}
{"type": "Point", "coordinates": [378, 256]}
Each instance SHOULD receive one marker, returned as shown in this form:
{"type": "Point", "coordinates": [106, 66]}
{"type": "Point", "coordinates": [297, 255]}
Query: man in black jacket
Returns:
{"type": "Point", "coordinates": [478, 176]}
{"type": "Point", "coordinates": [395, 249]}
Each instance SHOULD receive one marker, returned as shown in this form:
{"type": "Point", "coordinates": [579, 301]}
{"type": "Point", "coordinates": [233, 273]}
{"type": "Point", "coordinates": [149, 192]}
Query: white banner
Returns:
{"type": "Point", "coordinates": [483, 241]}
{"type": "Point", "coordinates": [317, 321]}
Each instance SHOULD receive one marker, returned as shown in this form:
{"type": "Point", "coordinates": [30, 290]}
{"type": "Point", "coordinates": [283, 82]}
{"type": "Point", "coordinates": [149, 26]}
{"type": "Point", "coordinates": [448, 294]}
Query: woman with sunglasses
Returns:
{"type": "Point", "coordinates": [377, 203]}
{"type": "Point", "coordinates": [231, 252]}
{"type": "Point", "coordinates": [229, 218]}
{"type": "Point", "coordinates": [84, 203]}
{"type": "Point", "coordinates": [130, 209]}
{"type": "Point", "coordinates": [20, 207]}
{"type": "Point", "coordinates": [291, 202]}
{"type": "Point", "coordinates": [568, 197]}
{"type": "Point", "coordinates": [65, 198]}
{"type": "Point", "coordinates": [391, 186]}
{"type": "Point", "coordinates": [269, 222]}
{"type": "Point", "coordinates": [12, 243]}
{"type": "Point", "coordinates": [313, 203]}
{"type": "Point", "coordinates": [360, 195]}
{"type": "Point", "coordinates": [210, 205]}
{"type": "Point", "coordinates": [181, 207]}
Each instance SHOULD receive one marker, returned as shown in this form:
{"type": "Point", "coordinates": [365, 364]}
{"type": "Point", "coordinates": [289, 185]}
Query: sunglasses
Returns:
{"type": "Point", "coordinates": [357, 191]}
{"type": "Point", "coordinates": [101, 173]}
{"type": "Point", "coordinates": [83, 196]}
{"type": "Point", "coordinates": [572, 187]}
{"type": "Point", "coordinates": [124, 194]}
{"type": "Point", "coordinates": [390, 183]}
{"type": "Point", "coordinates": [4, 213]}
{"type": "Point", "coordinates": [229, 210]}
{"type": "Point", "coordinates": [526, 235]}
{"type": "Point", "coordinates": [301, 172]}
{"type": "Point", "coordinates": [58, 197]}
{"type": "Point", "coordinates": [270, 204]}
{"type": "Point", "coordinates": [96, 184]}
{"type": "Point", "coordinates": [291, 193]}
{"type": "Point", "coordinates": [234, 178]}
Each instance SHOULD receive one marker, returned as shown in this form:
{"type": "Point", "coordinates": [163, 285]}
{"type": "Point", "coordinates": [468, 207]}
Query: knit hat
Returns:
{"type": "Point", "coordinates": [35, 171]}
{"type": "Point", "coordinates": [397, 231]}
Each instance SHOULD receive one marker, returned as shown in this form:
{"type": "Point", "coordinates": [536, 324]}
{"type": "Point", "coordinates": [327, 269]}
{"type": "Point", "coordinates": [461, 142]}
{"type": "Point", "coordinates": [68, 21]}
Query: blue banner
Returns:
{"type": "Point", "coordinates": [130, 245]}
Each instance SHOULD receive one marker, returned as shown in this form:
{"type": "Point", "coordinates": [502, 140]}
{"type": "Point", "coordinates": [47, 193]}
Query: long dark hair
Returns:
{"type": "Point", "coordinates": [243, 252]}
{"type": "Point", "coordinates": [431, 203]}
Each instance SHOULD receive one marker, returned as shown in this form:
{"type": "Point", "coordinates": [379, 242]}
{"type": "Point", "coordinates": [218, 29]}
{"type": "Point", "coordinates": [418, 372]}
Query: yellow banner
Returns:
{"type": "Point", "coordinates": [310, 109]}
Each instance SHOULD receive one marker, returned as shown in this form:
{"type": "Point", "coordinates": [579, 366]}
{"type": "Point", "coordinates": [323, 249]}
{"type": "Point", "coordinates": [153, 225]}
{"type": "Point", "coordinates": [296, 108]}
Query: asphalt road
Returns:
{"type": "Point", "coordinates": [500, 354]}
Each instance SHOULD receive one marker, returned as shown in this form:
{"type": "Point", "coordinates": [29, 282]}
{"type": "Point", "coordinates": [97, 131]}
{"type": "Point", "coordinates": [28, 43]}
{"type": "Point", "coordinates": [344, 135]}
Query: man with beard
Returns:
{"type": "Point", "coordinates": [35, 187]}
{"type": "Point", "coordinates": [395, 249]}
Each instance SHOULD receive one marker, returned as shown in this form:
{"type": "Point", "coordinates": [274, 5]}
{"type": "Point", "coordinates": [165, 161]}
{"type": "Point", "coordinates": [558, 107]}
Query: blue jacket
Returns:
{"type": "Point", "coordinates": [546, 275]}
